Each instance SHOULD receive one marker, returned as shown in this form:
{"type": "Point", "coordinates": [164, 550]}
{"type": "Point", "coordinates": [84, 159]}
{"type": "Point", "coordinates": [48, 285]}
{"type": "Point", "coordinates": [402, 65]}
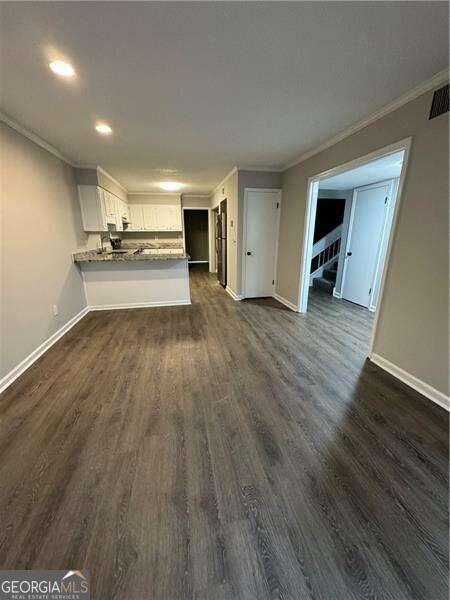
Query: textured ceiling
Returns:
{"type": "Point", "coordinates": [192, 89]}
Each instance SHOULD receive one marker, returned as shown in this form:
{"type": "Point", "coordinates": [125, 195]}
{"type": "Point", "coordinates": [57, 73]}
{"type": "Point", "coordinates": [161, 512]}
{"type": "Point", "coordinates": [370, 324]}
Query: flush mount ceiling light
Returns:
{"type": "Point", "coordinates": [170, 186]}
{"type": "Point", "coordinates": [62, 68]}
{"type": "Point", "coordinates": [103, 129]}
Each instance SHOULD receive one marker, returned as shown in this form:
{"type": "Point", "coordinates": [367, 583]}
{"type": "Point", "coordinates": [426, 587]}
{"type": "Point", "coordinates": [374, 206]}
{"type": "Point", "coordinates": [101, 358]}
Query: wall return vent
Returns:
{"type": "Point", "coordinates": [439, 105]}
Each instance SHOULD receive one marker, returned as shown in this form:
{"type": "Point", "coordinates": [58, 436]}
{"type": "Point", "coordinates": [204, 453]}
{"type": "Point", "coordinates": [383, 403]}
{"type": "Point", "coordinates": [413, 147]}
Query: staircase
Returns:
{"type": "Point", "coordinates": [327, 282]}
{"type": "Point", "coordinates": [324, 263]}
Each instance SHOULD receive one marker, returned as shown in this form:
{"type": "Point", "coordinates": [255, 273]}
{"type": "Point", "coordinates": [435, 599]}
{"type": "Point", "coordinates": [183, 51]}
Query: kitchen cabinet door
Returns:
{"type": "Point", "coordinates": [126, 211]}
{"type": "Point", "coordinates": [136, 217]}
{"type": "Point", "coordinates": [163, 213]}
{"type": "Point", "coordinates": [119, 212]}
{"type": "Point", "coordinates": [169, 218]}
{"type": "Point", "coordinates": [93, 210]}
{"type": "Point", "coordinates": [110, 207]}
{"type": "Point", "coordinates": [151, 217]}
{"type": "Point", "coordinates": [175, 218]}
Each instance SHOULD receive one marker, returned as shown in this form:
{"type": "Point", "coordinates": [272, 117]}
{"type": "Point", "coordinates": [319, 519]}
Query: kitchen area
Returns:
{"type": "Point", "coordinates": [137, 254]}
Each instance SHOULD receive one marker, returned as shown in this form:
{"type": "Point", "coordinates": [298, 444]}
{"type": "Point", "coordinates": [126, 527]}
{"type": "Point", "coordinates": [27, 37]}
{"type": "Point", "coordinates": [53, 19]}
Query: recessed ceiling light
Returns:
{"type": "Point", "coordinates": [103, 128]}
{"type": "Point", "coordinates": [62, 68]}
{"type": "Point", "coordinates": [170, 186]}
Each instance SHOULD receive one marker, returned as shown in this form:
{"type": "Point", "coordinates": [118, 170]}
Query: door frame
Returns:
{"type": "Point", "coordinates": [310, 217]}
{"type": "Point", "coordinates": [385, 182]}
{"type": "Point", "coordinates": [210, 249]}
{"type": "Point", "coordinates": [213, 245]}
{"type": "Point", "coordinates": [244, 235]}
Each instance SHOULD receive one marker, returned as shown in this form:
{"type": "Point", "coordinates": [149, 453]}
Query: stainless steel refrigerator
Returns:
{"type": "Point", "coordinates": [221, 244]}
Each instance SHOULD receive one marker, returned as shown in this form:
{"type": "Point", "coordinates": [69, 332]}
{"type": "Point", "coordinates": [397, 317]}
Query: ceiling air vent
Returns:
{"type": "Point", "coordinates": [440, 102]}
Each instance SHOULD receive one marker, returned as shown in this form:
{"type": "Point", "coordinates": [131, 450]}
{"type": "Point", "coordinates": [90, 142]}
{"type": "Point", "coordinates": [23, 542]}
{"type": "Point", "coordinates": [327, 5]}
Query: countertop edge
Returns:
{"type": "Point", "coordinates": [142, 258]}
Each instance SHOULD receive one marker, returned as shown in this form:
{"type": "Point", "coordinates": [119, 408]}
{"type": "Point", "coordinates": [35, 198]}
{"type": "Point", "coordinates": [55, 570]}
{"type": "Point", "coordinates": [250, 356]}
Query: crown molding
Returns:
{"type": "Point", "coordinates": [261, 169]}
{"type": "Point", "coordinates": [236, 169]}
{"type": "Point", "coordinates": [102, 170]}
{"type": "Point", "coordinates": [85, 166]}
{"type": "Point", "coordinates": [33, 137]}
{"type": "Point", "coordinates": [438, 79]}
{"type": "Point", "coordinates": [141, 193]}
{"type": "Point", "coordinates": [200, 195]}
{"type": "Point", "coordinates": [232, 172]}
{"type": "Point", "coordinates": [36, 139]}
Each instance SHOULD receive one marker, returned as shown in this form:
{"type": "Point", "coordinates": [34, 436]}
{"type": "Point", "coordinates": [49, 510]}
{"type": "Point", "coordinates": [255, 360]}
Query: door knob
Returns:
{"type": "Point", "coordinates": [249, 253]}
{"type": "Point", "coordinates": [349, 253]}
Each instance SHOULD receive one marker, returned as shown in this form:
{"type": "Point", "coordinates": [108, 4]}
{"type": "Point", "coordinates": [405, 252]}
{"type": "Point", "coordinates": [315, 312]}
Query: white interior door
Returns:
{"type": "Point", "coordinates": [367, 223]}
{"type": "Point", "coordinates": [261, 237]}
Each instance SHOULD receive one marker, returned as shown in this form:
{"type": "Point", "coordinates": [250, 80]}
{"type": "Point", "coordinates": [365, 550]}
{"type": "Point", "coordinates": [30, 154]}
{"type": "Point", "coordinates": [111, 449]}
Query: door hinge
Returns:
{"type": "Point", "coordinates": [273, 281]}
{"type": "Point", "coordinates": [278, 205]}
{"type": "Point", "coordinates": [386, 200]}
{"type": "Point", "coordinates": [370, 291]}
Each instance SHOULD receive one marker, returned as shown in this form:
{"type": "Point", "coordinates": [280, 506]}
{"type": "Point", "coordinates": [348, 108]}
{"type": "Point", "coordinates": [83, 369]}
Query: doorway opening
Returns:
{"type": "Point", "coordinates": [196, 223]}
{"type": "Point", "coordinates": [350, 220]}
{"type": "Point", "coordinates": [213, 240]}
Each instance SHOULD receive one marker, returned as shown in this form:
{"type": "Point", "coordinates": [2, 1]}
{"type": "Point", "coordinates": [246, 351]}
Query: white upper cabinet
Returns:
{"type": "Point", "coordinates": [126, 211]}
{"type": "Point", "coordinates": [175, 218]}
{"type": "Point", "coordinates": [100, 208]}
{"type": "Point", "coordinates": [110, 207]}
{"type": "Point", "coordinates": [155, 217]}
{"type": "Point", "coordinates": [93, 210]}
{"type": "Point", "coordinates": [164, 221]}
{"type": "Point", "coordinates": [136, 217]}
{"type": "Point", "coordinates": [150, 215]}
{"type": "Point", "coordinates": [122, 214]}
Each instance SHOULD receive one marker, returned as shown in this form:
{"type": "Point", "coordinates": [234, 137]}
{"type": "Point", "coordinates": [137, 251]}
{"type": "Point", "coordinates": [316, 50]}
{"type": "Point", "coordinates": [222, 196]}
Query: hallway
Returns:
{"type": "Point", "coordinates": [225, 450]}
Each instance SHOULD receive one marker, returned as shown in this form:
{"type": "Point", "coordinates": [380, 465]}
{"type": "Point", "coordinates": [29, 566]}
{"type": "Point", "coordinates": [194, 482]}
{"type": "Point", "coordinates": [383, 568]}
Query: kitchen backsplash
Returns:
{"type": "Point", "coordinates": [140, 236]}
{"type": "Point", "coordinates": [135, 238]}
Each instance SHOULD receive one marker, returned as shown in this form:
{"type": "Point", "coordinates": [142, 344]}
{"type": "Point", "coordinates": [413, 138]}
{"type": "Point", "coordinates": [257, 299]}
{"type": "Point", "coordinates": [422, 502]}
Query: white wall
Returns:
{"type": "Point", "coordinates": [41, 227]}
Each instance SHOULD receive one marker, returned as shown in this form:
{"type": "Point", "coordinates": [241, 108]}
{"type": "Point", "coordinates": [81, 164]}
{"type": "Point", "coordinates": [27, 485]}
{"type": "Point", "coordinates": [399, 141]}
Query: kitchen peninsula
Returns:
{"type": "Point", "coordinates": [135, 276]}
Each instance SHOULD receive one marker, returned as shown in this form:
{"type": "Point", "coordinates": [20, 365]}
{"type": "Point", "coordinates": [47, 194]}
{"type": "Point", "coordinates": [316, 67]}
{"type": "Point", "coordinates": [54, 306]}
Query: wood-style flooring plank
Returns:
{"type": "Point", "coordinates": [225, 451]}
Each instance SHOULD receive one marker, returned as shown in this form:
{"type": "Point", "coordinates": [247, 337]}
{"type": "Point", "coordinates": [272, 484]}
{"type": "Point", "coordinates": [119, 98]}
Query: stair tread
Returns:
{"type": "Point", "coordinates": [323, 284]}
{"type": "Point", "coordinates": [330, 275]}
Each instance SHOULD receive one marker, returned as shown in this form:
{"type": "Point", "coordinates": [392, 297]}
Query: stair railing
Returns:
{"type": "Point", "coordinates": [325, 251]}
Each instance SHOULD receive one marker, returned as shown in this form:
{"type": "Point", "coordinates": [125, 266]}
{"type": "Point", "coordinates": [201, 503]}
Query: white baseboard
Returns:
{"type": "Point", "coordinates": [287, 303]}
{"type": "Point", "coordinates": [140, 305]}
{"type": "Point", "coordinates": [337, 294]}
{"type": "Point", "coordinates": [420, 386]}
{"type": "Point", "coordinates": [233, 294]}
{"type": "Point", "coordinates": [8, 379]}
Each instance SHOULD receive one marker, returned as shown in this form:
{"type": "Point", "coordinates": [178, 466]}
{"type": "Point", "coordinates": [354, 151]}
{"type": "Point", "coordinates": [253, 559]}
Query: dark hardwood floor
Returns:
{"type": "Point", "coordinates": [225, 450]}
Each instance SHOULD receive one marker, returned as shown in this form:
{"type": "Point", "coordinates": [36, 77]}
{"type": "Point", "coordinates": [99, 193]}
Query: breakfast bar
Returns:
{"type": "Point", "coordinates": [135, 277]}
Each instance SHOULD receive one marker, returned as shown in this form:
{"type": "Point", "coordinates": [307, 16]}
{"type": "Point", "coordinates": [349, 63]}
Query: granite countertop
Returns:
{"type": "Point", "coordinates": [132, 254]}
